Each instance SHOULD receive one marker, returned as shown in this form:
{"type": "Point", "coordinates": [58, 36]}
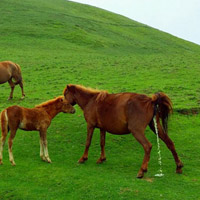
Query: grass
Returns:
{"type": "Point", "coordinates": [60, 42]}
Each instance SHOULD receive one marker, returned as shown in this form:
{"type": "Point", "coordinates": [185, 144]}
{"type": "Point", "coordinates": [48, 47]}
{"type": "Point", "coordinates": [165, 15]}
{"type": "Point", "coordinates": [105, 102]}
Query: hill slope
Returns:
{"type": "Point", "coordinates": [57, 42]}
{"type": "Point", "coordinates": [74, 39]}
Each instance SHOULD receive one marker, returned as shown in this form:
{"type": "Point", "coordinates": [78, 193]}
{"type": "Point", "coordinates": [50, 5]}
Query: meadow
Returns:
{"type": "Point", "coordinates": [61, 42]}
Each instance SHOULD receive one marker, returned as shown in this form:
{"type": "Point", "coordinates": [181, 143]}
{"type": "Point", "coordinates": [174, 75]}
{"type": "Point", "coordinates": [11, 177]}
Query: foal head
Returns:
{"type": "Point", "coordinates": [66, 106]}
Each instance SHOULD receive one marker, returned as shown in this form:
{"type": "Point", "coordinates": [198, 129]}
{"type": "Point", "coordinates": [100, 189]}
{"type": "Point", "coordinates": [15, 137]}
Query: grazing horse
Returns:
{"type": "Point", "coordinates": [9, 71]}
{"type": "Point", "coordinates": [120, 114]}
{"type": "Point", "coordinates": [37, 118]}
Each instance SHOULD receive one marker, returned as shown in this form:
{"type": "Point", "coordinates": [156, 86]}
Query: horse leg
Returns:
{"type": "Point", "coordinates": [41, 148]}
{"type": "Point", "coordinates": [22, 88]}
{"type": "Point", "coordinates": [44, 140]}
{"type": "Point", "coordinates": [102, 143]}
{"type": "Point", "coordinates": [165, 138]}
{"type": "Point", "coordinates": [3, 140]}
{"type": "Point", "coordinates": [90, 130]}
{"type": "Point", "coordinates": [12, 85]}
{"type": "Point", "coordinates": [10, 143]}
{"type": "Point", "coordinates": [140, 137]}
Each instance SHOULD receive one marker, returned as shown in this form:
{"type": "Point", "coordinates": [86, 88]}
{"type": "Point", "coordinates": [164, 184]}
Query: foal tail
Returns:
{"type": "Point", "coordinates": [162, 107]}
{"type": "Point", "coordinates": [4, 123]}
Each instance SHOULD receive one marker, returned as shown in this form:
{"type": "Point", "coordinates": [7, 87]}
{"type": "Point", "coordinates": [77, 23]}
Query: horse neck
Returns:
{"type": "Point", "coordinates": [52, 110]}
{"type": "Point", "coordinates": [82, 98]}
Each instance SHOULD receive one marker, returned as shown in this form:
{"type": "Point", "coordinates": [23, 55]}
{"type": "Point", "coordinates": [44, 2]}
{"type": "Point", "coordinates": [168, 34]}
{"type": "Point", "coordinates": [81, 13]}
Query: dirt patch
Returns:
{"type": "Point", "coordinates": [188, 111]}
{"type": "Point", "coordinates": [150, 180]}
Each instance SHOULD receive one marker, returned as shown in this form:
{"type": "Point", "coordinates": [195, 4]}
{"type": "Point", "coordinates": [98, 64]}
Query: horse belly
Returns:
{"type": "Point", "coordinates": [27, 126]}
{"type": "Point", "coordinates": [115, 127]}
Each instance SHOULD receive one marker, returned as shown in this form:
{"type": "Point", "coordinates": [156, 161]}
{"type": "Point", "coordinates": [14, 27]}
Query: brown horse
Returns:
{"type": "Point", "coordinates": [120, 114]}
{"type": "Point", "coordinates": [9, 71]}
{"type": "Point", "coordinates": [38, 118]}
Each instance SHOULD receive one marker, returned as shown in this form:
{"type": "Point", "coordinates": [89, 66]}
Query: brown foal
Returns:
{"type": "Point", "coordinates": [38, 118]}
{"type": "Point", "coordinates": [8, 72]}
{"type": "Point", "coordinates": [120, 114]}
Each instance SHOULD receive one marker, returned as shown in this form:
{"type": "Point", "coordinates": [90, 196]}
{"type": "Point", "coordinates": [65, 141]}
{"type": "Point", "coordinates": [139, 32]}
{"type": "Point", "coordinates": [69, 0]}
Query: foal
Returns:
{"type": "Point", "coordinates": [120, 114]}
{"type": "Point", "coordinates": [8, 72]}
{"type": "Point", "coordinates": [38, 118]}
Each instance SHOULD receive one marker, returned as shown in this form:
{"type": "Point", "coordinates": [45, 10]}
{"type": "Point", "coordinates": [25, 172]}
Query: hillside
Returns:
{"type": "Point", "coordinates": [79, 43]}
{"type": "Point", "coordinates": [57, 42]}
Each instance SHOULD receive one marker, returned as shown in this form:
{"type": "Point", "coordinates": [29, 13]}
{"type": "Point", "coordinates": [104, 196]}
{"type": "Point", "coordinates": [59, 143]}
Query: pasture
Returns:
{"type": "Point", "coordinates": [60, 42]}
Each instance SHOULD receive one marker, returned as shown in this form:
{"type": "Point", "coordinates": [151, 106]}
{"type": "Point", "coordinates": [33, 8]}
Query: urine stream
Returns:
{"type": "Point", "coordinates": [160, 173]}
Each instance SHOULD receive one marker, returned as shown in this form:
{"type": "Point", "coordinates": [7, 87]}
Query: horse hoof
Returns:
{"type": "Point", "coordinates": [13, 164]}
{"type": "Point", "coordinates": [179, 171]}
{"type": "Point", "coordinates": [140, 175]}
{"type": "Point", "coordinates": [10, 98]}
{"type": "Point", "coordinates": [179, 168]}
{"type": "Point", "coordinates": [82, 160]}
{"type": "Point", "coordinates": [22, 97]}
{"type": "Point", "coordinates": [43, 158]}
{"type": "Point", "coordinates": [1, 163]}
{"type": "Point", "coordinates": [101, 160]}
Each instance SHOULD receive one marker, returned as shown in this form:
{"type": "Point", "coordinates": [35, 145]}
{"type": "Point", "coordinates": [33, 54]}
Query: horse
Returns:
{"type": "Point", "coordinates": [29, 119]}
{"type": "Point", "coordinates": [123, 113]}
{"type": "Point", "coordinates": [8, 72]}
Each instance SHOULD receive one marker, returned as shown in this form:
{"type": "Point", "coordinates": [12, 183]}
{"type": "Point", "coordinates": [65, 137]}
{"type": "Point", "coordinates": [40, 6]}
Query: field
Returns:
{"type": "Point", "coordinates": [60, 42]}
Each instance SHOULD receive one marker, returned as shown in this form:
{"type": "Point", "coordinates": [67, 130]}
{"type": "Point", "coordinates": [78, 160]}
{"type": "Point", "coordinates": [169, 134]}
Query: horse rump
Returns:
{"type": "Point", "coordinates": [162, 108]}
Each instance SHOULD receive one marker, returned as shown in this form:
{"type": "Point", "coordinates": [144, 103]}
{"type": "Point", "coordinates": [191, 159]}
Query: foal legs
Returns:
{"type": "Point", "coordinates": [4, 132]}
{"type": "Point", "coordinates": [43, 147]}
{"type": "Point", "coordinates": [12, 85]}
{"type": "Point", "coordinates": [165, 138]}
{"type": "Point", "coordinates": [3, 140]}
{"type": "Point", "coordinates": [90, 130]}
{"type": "Point", "coordinates": [140, 137]}
{"type": "Point", "coordinates": [10, 143]}
{"type": "Point", "coordinates": [102, 143]}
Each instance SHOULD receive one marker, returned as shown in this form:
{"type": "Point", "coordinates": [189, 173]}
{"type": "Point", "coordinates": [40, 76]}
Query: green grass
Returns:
{"type": "Point", "coordinates": [60, 42]}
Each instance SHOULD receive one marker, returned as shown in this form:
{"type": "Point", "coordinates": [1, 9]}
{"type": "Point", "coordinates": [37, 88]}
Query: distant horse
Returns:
{"type": "Point", "coordinates": [38, 118]}
{"type": "Point", "coordinates": [120, 114]}
{"type": "Point", "coordinates": [9, 71]}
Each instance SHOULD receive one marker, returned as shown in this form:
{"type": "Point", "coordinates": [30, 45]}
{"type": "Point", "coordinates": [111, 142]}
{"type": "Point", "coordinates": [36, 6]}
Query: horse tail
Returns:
{"type": "Point", "coordinates": [18, 78]}
{"type": "Point", "coordinates": [162, 108]}
{"type": "Point", "coordinates": [4, 123]}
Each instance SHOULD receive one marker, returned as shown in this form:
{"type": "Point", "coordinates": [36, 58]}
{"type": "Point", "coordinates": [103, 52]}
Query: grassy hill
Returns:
{"type": "Point", "coordinates": [57, 42]}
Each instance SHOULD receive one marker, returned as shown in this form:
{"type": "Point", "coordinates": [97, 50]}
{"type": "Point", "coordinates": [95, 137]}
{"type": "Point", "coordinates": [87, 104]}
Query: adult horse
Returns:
{"type": "Point", "coordinates": [8, 72]}
{"type": "Point", "coordinates": [120, 114]}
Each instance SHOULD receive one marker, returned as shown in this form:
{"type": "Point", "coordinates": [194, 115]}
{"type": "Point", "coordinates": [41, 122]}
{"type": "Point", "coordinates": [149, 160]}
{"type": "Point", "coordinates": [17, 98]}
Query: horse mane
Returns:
{"type": "Point", "coordinates": [101, 93]}
{"type": "Point", "coordinates": [49, 102]}
{"type": "Point", "coordinates": [101, 96]}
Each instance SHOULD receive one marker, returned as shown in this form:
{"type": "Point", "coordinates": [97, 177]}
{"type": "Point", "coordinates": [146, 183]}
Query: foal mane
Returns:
{"type": "Point", "coordinates": [49, 102]}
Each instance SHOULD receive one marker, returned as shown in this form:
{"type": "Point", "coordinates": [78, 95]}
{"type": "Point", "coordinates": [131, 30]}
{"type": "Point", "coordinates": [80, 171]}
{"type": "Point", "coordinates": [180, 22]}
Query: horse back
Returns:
{"type": "Point", "coordinates": [116, 111]}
